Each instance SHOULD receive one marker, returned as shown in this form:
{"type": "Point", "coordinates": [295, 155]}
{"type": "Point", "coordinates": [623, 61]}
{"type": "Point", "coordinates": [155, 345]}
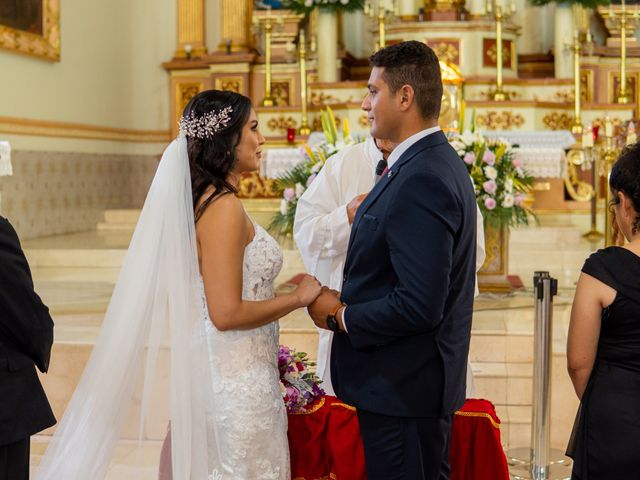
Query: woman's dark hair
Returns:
{"type": "Point", "coordinates": [211, 159]}
{"type": "Point", "coordinates": [625, 178]}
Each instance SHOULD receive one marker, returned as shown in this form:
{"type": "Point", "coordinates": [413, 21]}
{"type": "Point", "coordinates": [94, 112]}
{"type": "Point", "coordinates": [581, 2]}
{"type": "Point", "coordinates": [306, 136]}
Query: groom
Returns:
{"type": "Point", "coordinates": [403, 319]}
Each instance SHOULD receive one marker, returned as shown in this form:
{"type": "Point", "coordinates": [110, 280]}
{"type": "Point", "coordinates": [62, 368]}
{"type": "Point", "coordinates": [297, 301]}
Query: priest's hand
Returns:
{"type": "Point", "coordinates": [326, 303]}
{"type": "Point", "coordinates": [352, 206]}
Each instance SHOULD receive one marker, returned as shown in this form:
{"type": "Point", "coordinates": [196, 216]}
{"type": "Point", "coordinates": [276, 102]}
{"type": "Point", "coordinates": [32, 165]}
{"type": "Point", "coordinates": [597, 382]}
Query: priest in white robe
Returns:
{"type": "Point", "coordinates": [322, 227]}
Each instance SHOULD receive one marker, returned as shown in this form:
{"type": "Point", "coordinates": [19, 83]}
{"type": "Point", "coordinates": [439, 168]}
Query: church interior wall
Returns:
{"type": "Point", "coordinates": [94, 131]}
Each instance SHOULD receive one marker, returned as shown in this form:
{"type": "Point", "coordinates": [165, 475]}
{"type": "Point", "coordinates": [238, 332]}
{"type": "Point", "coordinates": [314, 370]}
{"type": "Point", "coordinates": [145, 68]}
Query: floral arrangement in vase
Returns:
{"type": "Point", "coordinates": [501, 183]}
{"type": "Point", "coordinates": [295, 181]}
{"type": "Point", "coordinates": [300, 387]}
{"type": "Point", "coordinates": [305, 7]}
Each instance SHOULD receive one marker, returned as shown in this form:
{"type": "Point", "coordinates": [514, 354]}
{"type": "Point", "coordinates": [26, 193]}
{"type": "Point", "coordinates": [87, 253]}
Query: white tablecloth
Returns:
{"type": "Point", "coordinates": [562, 139]}
{"type": "Point", "coordinates": [543, 162]}
{"type": "Point", "coordinates": [540, 162]}
{"type": "Point", "coordinates": [5, 159]}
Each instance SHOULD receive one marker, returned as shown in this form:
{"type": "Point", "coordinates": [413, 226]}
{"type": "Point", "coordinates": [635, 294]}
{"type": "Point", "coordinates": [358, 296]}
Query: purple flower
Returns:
{"type": "Point", "coordinates": [311, 178]}
{"type": "Point", "coordinates": [469, 158]}
{"type": "Point", "coordinates": [288, 194]}
{"type": "Point", "coordinates": [490, 186]}
{"type": "Point", "coordinates": [489, 203]}
{"type": "Point", "coordinates": [489, 157]}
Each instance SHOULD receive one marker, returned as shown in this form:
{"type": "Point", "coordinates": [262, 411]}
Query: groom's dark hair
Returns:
{"type": "Point", "coordinates": [412, 63]}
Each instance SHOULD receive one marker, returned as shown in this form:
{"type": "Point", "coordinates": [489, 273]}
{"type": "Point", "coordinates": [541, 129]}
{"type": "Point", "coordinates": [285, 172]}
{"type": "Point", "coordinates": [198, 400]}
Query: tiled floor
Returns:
{"type": "Point", "coordinates": [75, 275]}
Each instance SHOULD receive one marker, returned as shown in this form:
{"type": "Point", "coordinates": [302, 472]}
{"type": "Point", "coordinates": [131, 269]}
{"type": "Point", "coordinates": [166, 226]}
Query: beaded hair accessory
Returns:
{"type": "Point", "coordinates": [207, 125]}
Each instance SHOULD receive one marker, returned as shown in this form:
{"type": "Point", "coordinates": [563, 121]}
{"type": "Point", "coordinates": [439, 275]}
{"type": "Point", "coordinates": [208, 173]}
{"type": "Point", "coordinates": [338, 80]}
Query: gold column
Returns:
{"type": "Point", "coordinates": [576, 128]}
{"type": "Point", "coordinates": [236, 25]}
{"type": "Point", "coordinates": [304, 122]}
{"type": "Point", "coordinates": [623, 93]}
{"type": "Point", "coordinates": [190, 29]}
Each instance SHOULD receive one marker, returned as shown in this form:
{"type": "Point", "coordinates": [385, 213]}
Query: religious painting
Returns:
{"type": "Point", "coordinates": [31, 27]}
{"type": "Point", "coordinates": [490, 53]}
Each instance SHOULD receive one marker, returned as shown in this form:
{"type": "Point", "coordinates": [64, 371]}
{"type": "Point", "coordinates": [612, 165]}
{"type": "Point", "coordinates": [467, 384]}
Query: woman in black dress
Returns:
{"type": "Point", "coordinates": [603, 348]}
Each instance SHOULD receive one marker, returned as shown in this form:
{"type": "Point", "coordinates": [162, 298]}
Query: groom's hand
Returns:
{"type": "Point", "coordinates": [326, 302]}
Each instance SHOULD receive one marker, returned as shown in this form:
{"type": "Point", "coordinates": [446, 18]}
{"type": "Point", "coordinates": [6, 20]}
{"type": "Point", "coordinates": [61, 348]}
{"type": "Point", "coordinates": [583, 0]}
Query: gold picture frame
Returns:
{"type": "Point", "coordinates": [41, 38]}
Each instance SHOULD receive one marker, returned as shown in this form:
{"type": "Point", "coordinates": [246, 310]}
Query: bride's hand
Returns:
{"type": "Point", "coordinates": [308, 290]}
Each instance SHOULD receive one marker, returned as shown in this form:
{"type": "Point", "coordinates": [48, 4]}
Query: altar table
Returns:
{"type": "Point", "coordinates": [325, 443]}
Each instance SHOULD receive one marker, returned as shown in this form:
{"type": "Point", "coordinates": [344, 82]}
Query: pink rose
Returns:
{"type": "Point", "coordinates": [288, 194]}
{"type": "Point", "coordinates": [490, 186]}
{"type": "Point", "coordinates": [490, 203]}
{"type": "Point", "coordinates": [516, 162]}
{"type": "Point", "coordinates": [489, 157]}
{"type": "Point", "coordinates": [469, 158]}
{"type": "Point", "coordinates": [519, 198]}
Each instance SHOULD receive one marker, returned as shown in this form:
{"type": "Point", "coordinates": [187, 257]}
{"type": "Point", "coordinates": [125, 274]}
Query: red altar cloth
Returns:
{"type": "Point", "coordinates": [476, 451]}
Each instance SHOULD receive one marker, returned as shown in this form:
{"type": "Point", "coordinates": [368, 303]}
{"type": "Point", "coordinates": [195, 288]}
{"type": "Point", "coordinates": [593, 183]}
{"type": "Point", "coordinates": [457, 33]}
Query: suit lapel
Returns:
{"type": "Point", "coordinates": [429, 141]}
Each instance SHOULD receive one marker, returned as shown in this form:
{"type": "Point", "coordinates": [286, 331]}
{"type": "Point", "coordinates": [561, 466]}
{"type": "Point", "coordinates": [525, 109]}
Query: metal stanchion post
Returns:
{"type": "Point", "coordinates": [540, 462]}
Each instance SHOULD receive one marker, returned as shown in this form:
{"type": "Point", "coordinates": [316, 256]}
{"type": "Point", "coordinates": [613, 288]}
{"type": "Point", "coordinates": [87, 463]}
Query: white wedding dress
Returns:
{"type": "Point", "coordinates": [248, 415]}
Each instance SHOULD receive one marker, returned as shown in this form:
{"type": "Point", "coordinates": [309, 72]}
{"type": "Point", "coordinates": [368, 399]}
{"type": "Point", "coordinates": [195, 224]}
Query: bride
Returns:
{"type": "Point", "coordinates": [198, 282]}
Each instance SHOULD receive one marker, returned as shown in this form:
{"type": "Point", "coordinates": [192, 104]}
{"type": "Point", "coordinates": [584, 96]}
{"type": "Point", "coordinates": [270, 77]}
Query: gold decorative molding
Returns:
{"type": "Point", "coordinates": [490, 53]}
{"type": "Point", "coordinates": [614, 85]}
{"type": "Point", "coordinates": [191, 28]}
{"type": "Point", "coordinates": [281, 123]}
{"type": "Point", "coordinates": [505, 120]}
{"type": "Point", "coordinates": [564, 95]}
{"type": "Point", "coordinates": [558, 121]}
{"type": "Point", "coordinates": [320, 99]}
{"type": "Point", "coordinates": [586, 85]}
{"type": "Point", "coordinates": [45, 44]}
{"type": "Point", "coordinates": [488, 94]}
{"type": "Point", "coordinates": [363, 120]}
{"type": "Point", "coordinates": [447, 50]}
{"type": "Point", "coordinates": [252, 185]}
{"type": "Point", "coordinates": [233, 84]}
{"type": "Point", "coordinates": [45, 128]}
{"type": "Point", "coordinates": [316, 124]}
{"type": "Point", "coordinates": [184, 93]}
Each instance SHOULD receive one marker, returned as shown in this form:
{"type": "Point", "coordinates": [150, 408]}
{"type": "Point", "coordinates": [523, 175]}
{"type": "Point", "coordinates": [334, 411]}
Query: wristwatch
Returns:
{"type": "Point", "coordinates": [332, 321]}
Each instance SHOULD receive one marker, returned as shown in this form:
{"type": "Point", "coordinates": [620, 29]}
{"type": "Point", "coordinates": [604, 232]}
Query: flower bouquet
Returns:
{"type": "Point", "coordinates": [300, 387]}
{"type": "Point", "coordinates": [500, 181]}
{"type": "Point", "coordinates": [295, 181]}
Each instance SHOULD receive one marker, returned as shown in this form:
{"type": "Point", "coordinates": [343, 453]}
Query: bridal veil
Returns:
{"type": "Point", "coordinates": [149, 362]}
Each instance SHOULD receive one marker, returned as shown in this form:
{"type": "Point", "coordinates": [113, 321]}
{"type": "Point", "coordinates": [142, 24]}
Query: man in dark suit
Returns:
{"type": "Point", "coordinates": [403, 319]}
{"type": "Point", "coordinates": [26, 337]}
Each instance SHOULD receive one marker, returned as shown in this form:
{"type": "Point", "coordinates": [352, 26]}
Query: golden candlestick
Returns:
{"type": "Point", "coordinates": [609, 157]}
{"type": "Point", "coordinates": [381, 16]}
{"type": "Point", "coordinates": [499, 94]}
{"type": "Point", "coordinates": [576, 128]}
{"type": "Point", "coordinates": [304, 124]}
{"type": "Point", "coordinates": [267, 20]}
{"type": "Point", "coordinates": [623, 92]}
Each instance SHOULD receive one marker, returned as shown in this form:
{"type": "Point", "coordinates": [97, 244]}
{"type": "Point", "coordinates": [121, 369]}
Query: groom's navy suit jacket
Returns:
{"type": "Point", "coordinates": [408, 284]}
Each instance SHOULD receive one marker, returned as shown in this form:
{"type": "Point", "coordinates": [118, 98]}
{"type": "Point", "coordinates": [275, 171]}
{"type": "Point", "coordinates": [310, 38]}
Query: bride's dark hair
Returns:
{"type": "Point", "coordinates": [211, 159]}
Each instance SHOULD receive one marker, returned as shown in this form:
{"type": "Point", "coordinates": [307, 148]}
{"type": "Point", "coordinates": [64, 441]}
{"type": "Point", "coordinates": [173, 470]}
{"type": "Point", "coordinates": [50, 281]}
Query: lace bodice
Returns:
{"type": "Point", "coordinates": [248, 416]}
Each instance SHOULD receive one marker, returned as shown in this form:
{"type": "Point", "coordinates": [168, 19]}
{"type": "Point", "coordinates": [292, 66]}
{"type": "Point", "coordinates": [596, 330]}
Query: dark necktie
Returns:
{"type": "Point", "coordinates": [381, 169]}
